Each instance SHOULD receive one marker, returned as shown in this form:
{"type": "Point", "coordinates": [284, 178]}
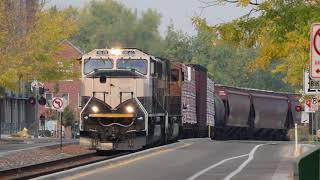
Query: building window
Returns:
{"type": "Point", "coordinates": [66, 97]}
{"type": "Point", "coordinates": [79, 100]}
{"type": "Point", "coordinates": [48, 97]}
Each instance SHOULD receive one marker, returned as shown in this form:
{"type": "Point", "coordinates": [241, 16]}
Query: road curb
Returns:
{"type": "Point", "coordinates": [90, 167]}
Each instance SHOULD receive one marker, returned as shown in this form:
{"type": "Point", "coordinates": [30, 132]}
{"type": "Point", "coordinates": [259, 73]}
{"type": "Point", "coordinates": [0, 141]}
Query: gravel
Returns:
{"type": "Point", "coordinates": [40, 155]}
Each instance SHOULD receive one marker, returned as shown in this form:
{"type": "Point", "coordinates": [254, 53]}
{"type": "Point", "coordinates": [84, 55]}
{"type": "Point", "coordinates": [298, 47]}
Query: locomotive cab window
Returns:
{"type": "Point", "coordinates": [139, 65]}
{"type": "Point", "coordinates": [92, 64]}
{"type": "Point", "coordinates": [156, 69]}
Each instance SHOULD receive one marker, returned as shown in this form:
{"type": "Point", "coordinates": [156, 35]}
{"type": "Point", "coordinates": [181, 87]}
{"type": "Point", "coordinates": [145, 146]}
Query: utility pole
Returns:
{"type": "Point", "coordinates": [35, 86]}
{"type": "Point", "coordinates": [36, 114]}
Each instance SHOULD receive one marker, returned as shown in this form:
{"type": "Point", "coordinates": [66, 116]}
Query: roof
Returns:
{"type": "Point", "coordinates": [72, 45]}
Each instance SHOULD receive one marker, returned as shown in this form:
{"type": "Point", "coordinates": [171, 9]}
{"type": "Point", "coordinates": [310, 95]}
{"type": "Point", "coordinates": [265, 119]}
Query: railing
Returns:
{"type": "Point", "coordinates": [307, 166]}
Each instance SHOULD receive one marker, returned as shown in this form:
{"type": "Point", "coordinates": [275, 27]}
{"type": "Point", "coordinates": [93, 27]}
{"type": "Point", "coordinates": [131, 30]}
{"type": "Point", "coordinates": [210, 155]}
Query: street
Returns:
{"type": "Point", "coordinates": [202, 159]}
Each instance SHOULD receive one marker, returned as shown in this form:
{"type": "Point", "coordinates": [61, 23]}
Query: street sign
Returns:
{"type": "Point", "coordinates": [314, 103]}
{"type": "Point", "coordinates": [315, 51]}
{"type": "Point", "coordinates": [311, 86]}
{"type": "Point", "coordinates": [308, 106]}
{"type": "Point", "coordinates": [58, 103]}
{"type": "Point", "coordinates": [311, 105]}
{"type": "Point", "coordinates": [304, 117]}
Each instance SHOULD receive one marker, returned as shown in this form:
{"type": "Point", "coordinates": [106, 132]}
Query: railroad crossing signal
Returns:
{"type": "Point", "coordinates": [315, 51]}
{"type": "Point", "coordinates": [58, 104]}
{"type": "Point", "coordinates": [298, 108]}
{"type": "Point", "coordinates": [42, 101]}
{"type": "Point", "coordinates": [32, 100]}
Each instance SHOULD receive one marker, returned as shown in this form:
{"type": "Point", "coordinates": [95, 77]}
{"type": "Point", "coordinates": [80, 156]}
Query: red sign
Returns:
{"type": "Point", "coordinates": [57, 103]}
{"type": "Point", "coordinates": [315, 51]}
{"type": "Point", "coordinates": [308, 103]}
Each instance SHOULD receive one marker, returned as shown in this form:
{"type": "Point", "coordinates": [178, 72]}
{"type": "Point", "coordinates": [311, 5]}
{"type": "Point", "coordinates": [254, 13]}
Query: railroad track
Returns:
{"type": "Point", "coordinates": [36, 170]}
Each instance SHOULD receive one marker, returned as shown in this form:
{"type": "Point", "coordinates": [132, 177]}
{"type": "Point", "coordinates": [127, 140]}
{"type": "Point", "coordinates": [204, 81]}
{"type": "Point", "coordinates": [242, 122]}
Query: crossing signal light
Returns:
{"type": "Point", "coordinates": [32, 100]}
{"type": "Point", "coordinates": [298, 108]}
{"type": "Point", "coordinates": [42, 101]}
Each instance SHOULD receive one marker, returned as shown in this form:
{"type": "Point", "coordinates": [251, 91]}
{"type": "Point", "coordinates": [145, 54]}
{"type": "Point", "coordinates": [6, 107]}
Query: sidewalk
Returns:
{"type": "Point", "coordinates": [17, 146]}
{"type": "Point", "coordinates": [7, 139]}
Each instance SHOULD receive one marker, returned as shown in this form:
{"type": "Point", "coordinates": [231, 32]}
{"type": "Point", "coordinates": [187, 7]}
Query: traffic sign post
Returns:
{"type": "Point", "coordinates": [304, 118]}
{"type": "Point", "coordinates": [58, 104]}
{"type": "Point", "coordinates": [315, 51]}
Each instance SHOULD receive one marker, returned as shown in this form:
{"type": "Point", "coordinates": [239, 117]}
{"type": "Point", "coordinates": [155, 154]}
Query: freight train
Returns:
{"type": "Point", "coordinates": [132, 100]}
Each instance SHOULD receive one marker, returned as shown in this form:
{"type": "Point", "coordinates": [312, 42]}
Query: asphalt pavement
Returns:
{"type": "Point", "coordinates": [201, 159]}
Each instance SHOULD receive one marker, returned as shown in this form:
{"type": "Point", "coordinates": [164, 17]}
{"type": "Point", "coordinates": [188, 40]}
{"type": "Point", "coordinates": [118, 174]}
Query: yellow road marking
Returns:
{"type": "Point", "coordinates": [112, 115]}
{"type": "Point", "coordinates": [125, 162]}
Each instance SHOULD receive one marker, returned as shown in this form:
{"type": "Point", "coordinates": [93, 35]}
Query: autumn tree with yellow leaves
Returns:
{"type": "Point", "coordinates": [29, 42]}
{"type": "Point", "coordinates": [278, 29]}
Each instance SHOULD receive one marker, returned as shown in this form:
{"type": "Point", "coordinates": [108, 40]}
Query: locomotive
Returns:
{"type": "Point", "coordinates": [132, 100]}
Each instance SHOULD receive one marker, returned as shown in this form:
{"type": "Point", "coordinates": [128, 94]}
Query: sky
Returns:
{"type": "Point", "coordinates": [179, 12]}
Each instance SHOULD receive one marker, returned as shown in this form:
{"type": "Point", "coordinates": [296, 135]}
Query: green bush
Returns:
{"type": "Point", "coordinates": [303, 134]}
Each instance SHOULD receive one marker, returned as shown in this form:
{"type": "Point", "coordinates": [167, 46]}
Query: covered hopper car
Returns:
{"type": "Point", "coordinates": [243, 113]}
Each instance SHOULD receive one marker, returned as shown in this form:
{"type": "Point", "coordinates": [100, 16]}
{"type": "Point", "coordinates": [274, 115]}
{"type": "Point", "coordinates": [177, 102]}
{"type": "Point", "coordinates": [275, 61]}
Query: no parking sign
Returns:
{"type": "Point", "coordinates": [315, 51]}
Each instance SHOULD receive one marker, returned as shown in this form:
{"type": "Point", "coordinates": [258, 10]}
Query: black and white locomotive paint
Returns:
{"type": "Point", "coordinates": [125, 96]}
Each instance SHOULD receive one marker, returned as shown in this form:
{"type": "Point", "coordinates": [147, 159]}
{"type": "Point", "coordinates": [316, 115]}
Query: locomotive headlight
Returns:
{"type": "Point", "coordinates": [129, 109]}
{"type": "Point", "coordinates": [115, 52]}
{"type": "Point", "coordinates": [95, 109]}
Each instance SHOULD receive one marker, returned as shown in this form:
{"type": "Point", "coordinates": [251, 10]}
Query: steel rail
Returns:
{"type": "Point", "coordinates": [41, 169]}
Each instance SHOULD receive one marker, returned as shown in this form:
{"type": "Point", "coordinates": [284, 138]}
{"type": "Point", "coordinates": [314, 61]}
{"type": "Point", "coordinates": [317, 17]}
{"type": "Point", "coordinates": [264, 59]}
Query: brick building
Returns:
{"type": "Point", "coordinates": [69, 88]}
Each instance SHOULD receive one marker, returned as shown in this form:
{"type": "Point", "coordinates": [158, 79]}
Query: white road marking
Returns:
{"type": "Point", "coordinates": [195, 176]}
{"type": "Point", "coordinates": [244, 164]}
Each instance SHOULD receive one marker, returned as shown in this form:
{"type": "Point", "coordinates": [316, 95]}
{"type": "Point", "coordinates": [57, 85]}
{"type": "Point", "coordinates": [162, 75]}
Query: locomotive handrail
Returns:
{"type": "Point", "coordinates": [145, 114]}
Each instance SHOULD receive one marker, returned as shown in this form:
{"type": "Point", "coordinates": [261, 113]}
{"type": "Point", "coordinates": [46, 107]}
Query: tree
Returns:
{"type": "Point", "coordinates": [227, 65]}
{"type": "Point", "coordinates": [110, 24]}
{"type": "Point", "coordinates": [280, 31]}
{"type": "Point", "coordinates": [30, 52]}
{"type": "Point", "coordinates": [68, 117]}
{"type": "Point", "coordinates": [177, 45]}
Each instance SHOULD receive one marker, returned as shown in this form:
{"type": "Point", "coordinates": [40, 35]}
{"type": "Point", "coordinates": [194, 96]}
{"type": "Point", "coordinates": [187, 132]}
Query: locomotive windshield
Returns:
{"type": "Point", "coordinates": [139, 65]}
{"type": "Point", "coordinates": [92, 64]}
